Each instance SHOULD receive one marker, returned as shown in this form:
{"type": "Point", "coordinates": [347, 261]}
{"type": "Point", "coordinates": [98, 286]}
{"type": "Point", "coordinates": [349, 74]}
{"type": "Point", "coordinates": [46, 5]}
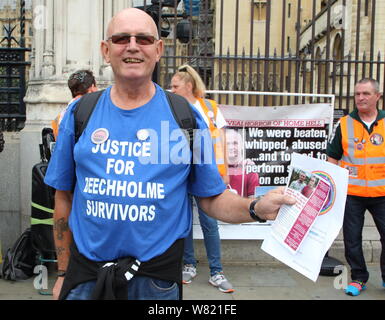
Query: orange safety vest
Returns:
{"type": "Point", "coordinates": [210, 109]}
{"type": "Point", "coordinates": [56, 122]}
{"type": "Point", "coordinates": [55, 126]}
{"type": "Point", "coordinates": [364, 157]}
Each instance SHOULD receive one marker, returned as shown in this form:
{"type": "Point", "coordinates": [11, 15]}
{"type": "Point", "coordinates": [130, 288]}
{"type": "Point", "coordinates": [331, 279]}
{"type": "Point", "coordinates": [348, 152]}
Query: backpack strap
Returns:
{"type": "Point", "coordinates": [83, 111]}
{"type": "Point", "coordinates": [180, 108]}
{"type": "Point", "coordinates": [183, 115]}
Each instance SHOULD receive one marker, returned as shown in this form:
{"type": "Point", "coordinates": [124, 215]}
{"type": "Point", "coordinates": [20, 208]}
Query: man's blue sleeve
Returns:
{"type": "Point", "coordinates": [61, 169]}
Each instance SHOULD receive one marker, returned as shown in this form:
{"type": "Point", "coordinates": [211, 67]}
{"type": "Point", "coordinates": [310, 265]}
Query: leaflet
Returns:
{"type": "Point", "coordinates": [303, 233]}
{"type": "Point", "coordinates": [293, 223]}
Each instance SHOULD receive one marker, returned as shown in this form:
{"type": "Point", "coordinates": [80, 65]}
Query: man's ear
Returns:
{"type": "Point", "coordinates": [105, 50]}
{"type": "Point", "coordinates": [159, 49]}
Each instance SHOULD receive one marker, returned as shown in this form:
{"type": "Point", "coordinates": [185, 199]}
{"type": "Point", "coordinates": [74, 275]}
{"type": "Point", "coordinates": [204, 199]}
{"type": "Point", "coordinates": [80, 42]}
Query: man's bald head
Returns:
{"type": "Point", "coordinates": [132, 61]}
{"type": "Point", "coordinates": [132, 14]}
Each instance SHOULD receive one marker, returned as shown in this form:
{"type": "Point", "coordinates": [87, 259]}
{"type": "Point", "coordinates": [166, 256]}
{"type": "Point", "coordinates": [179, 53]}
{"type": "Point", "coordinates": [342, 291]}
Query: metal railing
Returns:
{"type": "Point", "coordinates": [313, 55]}
{"type": "Point", "coordinates": [309, 47]}
{"type": "Point", "coordinates": [13, 76]}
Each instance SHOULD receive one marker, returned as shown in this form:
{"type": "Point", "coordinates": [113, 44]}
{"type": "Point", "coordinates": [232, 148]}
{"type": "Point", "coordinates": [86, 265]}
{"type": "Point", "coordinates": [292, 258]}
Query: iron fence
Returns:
{"type": "Point", "coordinates": [312, 46]}
{"type": "Point", "coordinates": [13, 75]}
{"type": "Point", "coordinates": [323, 52]}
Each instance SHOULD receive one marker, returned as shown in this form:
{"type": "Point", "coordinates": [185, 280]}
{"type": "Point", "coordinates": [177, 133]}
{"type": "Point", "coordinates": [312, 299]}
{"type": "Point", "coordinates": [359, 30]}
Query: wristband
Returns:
{"type": "Point", "coordinates": [253, 215]}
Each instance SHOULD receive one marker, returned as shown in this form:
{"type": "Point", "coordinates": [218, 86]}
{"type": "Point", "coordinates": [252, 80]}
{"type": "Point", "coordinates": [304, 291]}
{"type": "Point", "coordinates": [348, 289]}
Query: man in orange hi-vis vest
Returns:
{"type": "Point", "coordinates": [187, 83]}
{"type": "Point", "coordinates": [358, 145]}
{"type": "Point", "coordinates": [80, 83]}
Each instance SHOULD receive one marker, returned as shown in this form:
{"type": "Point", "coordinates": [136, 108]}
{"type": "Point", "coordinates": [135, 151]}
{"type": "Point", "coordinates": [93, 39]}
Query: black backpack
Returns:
{"type": "Point", "coordinates": [20, 260]}
{"type": "Point", "coordinates": [180, 108]}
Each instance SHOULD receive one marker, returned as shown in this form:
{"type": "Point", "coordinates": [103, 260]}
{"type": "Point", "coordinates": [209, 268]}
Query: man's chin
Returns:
{"type": "Point", "coordinates": [130, 75]}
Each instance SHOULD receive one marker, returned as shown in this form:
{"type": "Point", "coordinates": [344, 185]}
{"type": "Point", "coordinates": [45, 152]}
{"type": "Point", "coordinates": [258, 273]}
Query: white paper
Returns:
{"type": "Point", "coordinates": [307, 257]}
{"type": "Point", "coordinates": [293, 223]}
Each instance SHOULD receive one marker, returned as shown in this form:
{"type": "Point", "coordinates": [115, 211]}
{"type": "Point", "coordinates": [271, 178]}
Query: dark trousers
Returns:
{"type": "Point", "coordinates": [352, 230]}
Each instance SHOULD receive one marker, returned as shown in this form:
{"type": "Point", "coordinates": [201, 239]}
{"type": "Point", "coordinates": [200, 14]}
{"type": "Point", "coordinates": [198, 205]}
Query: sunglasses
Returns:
{"type": "Point", "coordinates": [125, 38]}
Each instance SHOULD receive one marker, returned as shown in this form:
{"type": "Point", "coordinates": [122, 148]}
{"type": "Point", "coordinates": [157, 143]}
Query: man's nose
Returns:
{"type": "Point", "coordinates": [132, 43]}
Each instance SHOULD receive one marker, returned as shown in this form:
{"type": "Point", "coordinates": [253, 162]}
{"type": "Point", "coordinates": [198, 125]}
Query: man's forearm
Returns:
{"type": "Point", "coordinates": [231, 208]}
{"type": "Point", "coordinates": [61, 231]}
{"type": "Point", "coordinates": [224, 206]}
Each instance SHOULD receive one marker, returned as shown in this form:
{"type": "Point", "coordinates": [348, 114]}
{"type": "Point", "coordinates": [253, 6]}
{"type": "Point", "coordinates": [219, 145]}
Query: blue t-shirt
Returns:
{"type": "Point", "coordinates": [130, 172]}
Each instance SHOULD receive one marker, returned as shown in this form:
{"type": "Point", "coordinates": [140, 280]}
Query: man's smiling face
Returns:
{"type": "Point", "coordinates": [135, 59]}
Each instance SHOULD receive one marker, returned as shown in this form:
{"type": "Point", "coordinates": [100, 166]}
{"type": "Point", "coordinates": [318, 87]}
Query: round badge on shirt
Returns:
{"type": "Point", "coordinates": [99, 136]}
{"type": "Point", "coordinates": [143, 134]}
{"type": "Point", "coordinates": [376, 139]}
{"type": "Point", "coordinates": [360, 146]}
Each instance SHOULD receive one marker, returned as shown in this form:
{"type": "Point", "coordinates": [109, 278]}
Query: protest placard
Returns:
{"type": "Point", "coordinates": [260, 142]}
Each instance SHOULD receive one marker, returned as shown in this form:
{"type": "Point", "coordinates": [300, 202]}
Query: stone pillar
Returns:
{"type": "Point", "coordinates": [9, 191]}
{"type": "Point", "coordinates": [67, 35]}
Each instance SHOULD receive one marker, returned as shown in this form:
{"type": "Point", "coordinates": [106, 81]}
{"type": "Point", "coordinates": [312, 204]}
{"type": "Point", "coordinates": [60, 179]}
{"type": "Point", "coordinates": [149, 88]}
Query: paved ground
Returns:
{"type": "Point", "coordinates": [251, 282]}
{"type": "Point", "coordinates": [279, 283]}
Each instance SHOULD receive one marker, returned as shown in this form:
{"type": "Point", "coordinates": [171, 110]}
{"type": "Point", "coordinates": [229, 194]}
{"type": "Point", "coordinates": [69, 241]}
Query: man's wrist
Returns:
{"type": "Point", "coordinates": [252, 211]}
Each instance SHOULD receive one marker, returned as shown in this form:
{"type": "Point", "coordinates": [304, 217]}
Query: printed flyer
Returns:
{"type": "Point", "coordinates": [301, 235]}
{"type": "Point", "coordinates": [294, 222]}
